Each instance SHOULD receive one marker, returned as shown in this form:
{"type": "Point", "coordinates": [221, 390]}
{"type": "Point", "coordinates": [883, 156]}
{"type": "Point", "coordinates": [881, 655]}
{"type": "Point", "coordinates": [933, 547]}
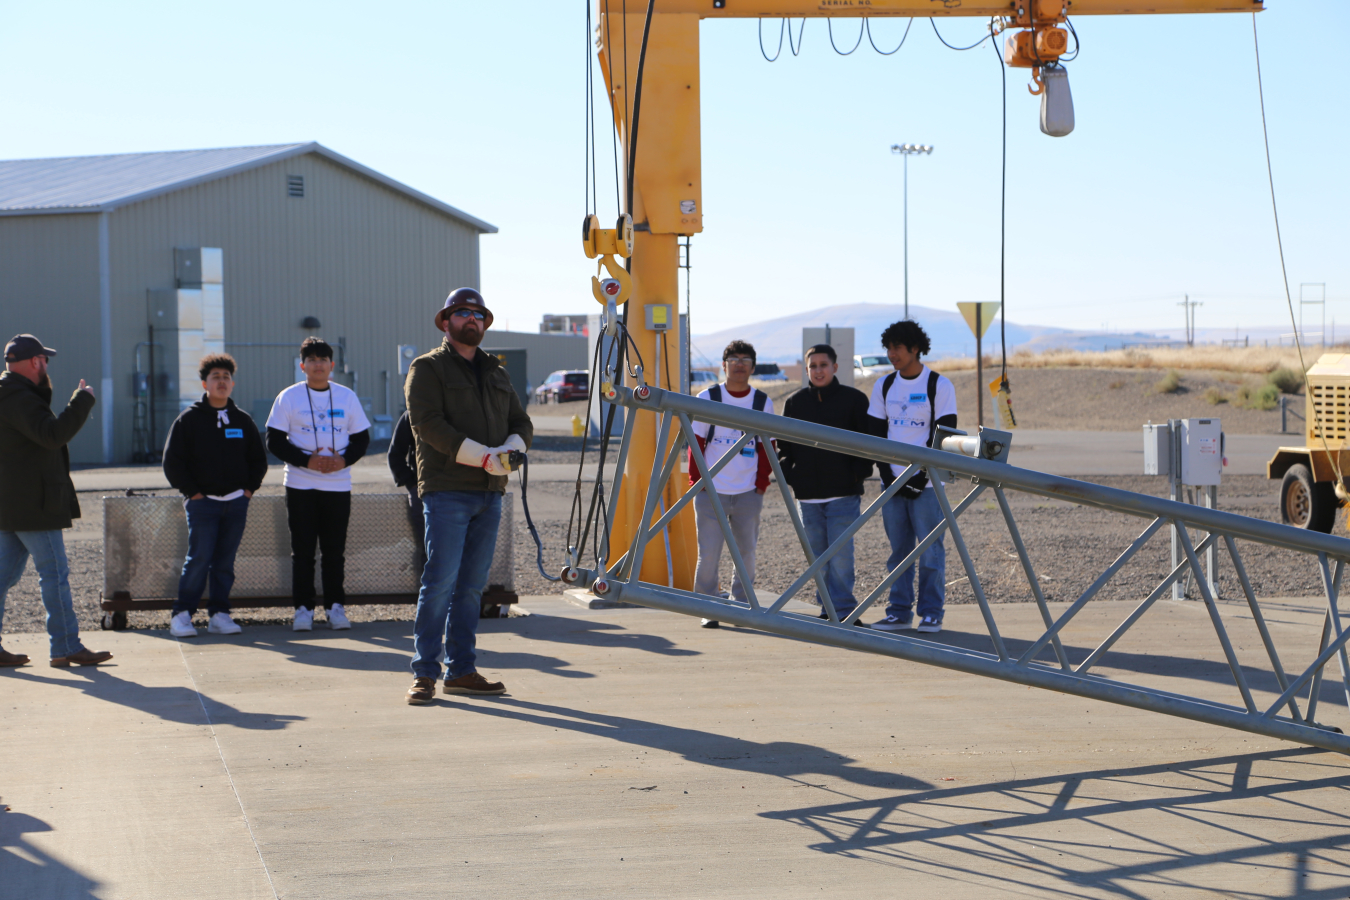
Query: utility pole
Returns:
{"type": "Point", "coordinates": [1189, 306]}
{"type": "Point", "coordinates": [907, 150]}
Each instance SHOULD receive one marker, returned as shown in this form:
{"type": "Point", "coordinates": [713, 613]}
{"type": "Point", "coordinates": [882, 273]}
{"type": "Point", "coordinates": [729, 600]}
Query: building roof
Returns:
{"type": "Point", "coordinates": [86, 184]}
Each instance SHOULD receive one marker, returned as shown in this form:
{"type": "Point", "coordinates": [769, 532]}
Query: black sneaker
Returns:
{"type": "Point", "coordinates": [929, 625]}
{"type": "Point", "coordinates": [893, 623]}
{"type": "Point", "coordinates": [710, 623]}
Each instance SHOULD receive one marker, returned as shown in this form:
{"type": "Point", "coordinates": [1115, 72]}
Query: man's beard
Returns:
{"type": "Point", "coordinates": [464, 334]}
{"type": "Point", "coordinates": [45, 381]}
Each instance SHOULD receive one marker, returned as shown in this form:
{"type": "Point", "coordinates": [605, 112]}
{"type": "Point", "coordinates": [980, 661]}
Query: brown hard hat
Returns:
{"type": "Point", "coordinates": [463, 298]}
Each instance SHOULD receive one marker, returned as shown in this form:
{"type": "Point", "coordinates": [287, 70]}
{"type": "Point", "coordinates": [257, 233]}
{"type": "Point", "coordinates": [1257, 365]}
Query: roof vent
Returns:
{"type": "Point", "coordinates": [295, 185]}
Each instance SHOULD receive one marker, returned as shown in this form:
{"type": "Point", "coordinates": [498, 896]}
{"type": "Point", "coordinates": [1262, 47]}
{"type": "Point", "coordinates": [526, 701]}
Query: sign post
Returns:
{"type": "Point", "coordinates": [979, 316]}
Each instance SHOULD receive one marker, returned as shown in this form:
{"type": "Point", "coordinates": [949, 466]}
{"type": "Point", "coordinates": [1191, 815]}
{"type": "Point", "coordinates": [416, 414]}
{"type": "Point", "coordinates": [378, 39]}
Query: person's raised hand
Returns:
{"type": "Point", "coordinates": [86, 388]}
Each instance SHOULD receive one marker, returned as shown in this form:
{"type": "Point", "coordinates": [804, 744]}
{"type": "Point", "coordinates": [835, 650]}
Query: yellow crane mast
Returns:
{"type": "Point", "coordinates": [667, 200]}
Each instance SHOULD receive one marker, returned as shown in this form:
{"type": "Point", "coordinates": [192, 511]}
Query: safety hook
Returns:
{"type": "Point", "coordinates": [617, 288]}
{"type": "Point", "coordinates": [1040, 85]}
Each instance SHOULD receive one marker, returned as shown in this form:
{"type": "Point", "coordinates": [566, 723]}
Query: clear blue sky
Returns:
{"type": "Point", "coordinates": [1160, 191]}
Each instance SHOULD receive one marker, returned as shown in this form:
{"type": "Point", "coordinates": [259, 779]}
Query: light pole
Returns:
{"type": "Point", "coordinates": [908, 150]}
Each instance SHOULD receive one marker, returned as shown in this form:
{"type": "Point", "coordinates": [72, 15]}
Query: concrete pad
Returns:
{"type": "Point", "coordinates": [640, 755]}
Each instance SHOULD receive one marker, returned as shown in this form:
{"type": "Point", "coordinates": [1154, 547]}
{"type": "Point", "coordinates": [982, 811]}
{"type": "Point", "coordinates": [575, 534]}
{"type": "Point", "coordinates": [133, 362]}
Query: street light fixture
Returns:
{"type": "Point", "coordinates": [908, 150]}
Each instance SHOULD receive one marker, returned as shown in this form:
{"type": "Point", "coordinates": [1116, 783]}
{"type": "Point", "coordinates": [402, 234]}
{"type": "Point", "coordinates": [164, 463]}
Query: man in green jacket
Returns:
{"type": "Point", "coordinates": [37, 497]}
{"type": "Point", "coordinates": [467, 419]}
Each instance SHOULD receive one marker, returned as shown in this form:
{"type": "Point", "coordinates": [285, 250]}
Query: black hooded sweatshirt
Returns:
{"type": "Point", "coordinates": [816, 474]}
{"type": "Point", "coordinates": [206, 455]}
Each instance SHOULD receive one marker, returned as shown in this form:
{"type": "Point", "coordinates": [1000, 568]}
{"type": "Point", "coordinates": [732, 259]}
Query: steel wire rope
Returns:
{"type": "Point", "coordinates": [867, 24]}
{"type": "Point", "coordinates": [1284, 272]}
{"type": "Point", "coordinates": [950, 47]}
{"type": "Point", "coordinates": [631, 141]}
{"type": "Point", "coordinates": [1002, 225]}
{"type": "Point", "coordinates": [588, 164]}
{"type": "Point", "coordinates": [829, 24]}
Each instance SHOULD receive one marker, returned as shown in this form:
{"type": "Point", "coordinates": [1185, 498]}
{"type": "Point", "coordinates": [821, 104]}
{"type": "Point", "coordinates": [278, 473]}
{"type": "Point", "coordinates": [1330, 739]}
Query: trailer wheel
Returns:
{"type": "Point", "coordinates": [1305, 503]}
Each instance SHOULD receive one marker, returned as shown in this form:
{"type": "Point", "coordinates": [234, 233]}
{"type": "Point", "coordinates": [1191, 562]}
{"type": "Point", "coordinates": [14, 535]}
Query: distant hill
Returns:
{"type": "Point", "coordinates": [780, 340]}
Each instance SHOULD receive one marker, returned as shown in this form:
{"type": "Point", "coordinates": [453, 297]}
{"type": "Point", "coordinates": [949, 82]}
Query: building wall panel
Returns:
{"type": "Point", "coordinates": [49, 287]}
{"type": "Point", "coordinates": [371, 264]}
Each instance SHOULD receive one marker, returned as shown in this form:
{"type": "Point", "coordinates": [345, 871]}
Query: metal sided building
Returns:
{"type": "Point", "coordinates": [133, 265]}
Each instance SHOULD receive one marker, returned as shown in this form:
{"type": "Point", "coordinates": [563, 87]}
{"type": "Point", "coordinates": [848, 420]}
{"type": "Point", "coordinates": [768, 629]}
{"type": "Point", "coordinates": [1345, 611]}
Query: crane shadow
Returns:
{"type": "Point", "coordinates": [1127, 832]}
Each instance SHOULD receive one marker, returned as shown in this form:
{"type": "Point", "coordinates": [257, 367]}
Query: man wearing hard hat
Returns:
{"type": "Point", "coordinates": [467, 420]}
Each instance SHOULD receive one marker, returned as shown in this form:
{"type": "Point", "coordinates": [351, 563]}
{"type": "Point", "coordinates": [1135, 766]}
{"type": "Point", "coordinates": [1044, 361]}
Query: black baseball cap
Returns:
{"type": "Point", "coordinates": [25, 346]}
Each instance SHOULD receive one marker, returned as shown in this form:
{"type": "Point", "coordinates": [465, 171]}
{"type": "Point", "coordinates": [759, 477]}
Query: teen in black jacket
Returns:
{"type": "Point", "coordinates": [828, 485]}
{"type": "Point", "coordinates": [215, 457]}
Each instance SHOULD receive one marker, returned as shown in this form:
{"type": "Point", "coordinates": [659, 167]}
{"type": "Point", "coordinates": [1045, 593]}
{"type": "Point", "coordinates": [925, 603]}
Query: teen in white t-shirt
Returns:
{"type": "Point", "coordinates": [744, 472]}
{"type": "Point", "coordinates": [906, 409]}
{"type": "Point", "coordinates": [319, 422]}
{"type": "Point", "coordinates": [909, 416]}
{"type": "Point", "coordinates": [318, 429]}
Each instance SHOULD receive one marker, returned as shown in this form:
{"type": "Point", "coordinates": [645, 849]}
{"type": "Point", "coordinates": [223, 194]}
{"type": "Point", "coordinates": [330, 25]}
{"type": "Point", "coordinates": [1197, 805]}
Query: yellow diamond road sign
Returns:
{"type": "Point", "coordinates": [979, 316]}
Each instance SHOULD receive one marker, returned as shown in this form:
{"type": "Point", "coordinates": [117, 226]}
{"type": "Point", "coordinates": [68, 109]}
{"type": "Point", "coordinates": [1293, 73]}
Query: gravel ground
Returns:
{"type": "Point", "coordinates": [1069, 546]}
{"type": "Point", "coordinates": [1060, 535]}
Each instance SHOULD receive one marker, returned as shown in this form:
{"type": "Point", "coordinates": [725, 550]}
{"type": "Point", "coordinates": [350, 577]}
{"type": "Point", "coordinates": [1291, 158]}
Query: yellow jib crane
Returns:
{"type": "Point", "coordinates": [660, 39]}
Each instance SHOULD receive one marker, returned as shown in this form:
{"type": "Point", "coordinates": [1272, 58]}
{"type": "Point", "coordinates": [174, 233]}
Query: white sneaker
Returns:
{"type": "Point", "coordinates": [304, 620]}
{"type": "Point", "coordinates": [221, 623]}
{"type": "Point", "coordinates": [181, 625]}
{"type": "Point", "coordinates": [337, 618]}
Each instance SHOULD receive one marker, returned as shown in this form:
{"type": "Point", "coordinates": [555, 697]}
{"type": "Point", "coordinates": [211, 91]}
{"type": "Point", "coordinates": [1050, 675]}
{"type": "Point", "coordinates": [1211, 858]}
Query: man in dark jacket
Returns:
{"type": "Point", "coordinates": [828, 485]}
{"type": "Point", "coordinates": [467, 419]}
{"type": "Point", "coordinates": [215, 457]}
{"type": "Point", "coordinates": [402, 458]}
{"type": "Point", "coordinates": [37, 497]}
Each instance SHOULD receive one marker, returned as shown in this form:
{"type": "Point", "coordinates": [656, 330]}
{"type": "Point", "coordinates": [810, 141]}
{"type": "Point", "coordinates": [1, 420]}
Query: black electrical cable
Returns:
{"type": "Point", "coordinates": [781, 24]}
{"type": "Point", "coordinates": [950, 47]}
{"type": "Point", "coordinates": [801, 36]}
{"type": "Point", "coordinates": [1076, 43]}
{"type": "Point", "coordinates": [524, 479]}
{"type": "Point", "coordinates": [867, 24]}
{"type": "Point", "coordinates": [637, 108]}
{"type": "Point", "coordinates": [829, 23]}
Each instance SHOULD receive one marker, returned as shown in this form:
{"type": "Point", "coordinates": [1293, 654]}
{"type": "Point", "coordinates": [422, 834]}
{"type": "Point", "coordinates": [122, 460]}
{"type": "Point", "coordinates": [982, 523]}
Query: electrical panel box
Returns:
{"type": "Point", "coordinates": [1158, 449]}
{"type": "Point", "coordinates": [196, 266]}
{"type": "Point", "coordinates": [406, 354]}
{"type": "Point", "coordinates": [658, 316]}
{"type": "Point", "coordinates": [1200, 446]}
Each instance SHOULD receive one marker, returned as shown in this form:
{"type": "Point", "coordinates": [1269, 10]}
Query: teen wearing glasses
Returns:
{"type": "Point", "coordinates": [740, 485]}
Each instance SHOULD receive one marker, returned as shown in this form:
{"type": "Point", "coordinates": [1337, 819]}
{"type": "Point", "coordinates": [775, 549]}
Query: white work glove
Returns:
{"type": "Point", "coordinates": [515, 442]}
{"type": "Point", "coordinates": [472, 453]}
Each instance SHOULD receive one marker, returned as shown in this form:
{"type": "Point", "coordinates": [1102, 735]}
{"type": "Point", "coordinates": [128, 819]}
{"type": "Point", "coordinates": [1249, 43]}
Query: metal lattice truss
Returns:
{"type": "Point", "coordinates": [1292, 716]}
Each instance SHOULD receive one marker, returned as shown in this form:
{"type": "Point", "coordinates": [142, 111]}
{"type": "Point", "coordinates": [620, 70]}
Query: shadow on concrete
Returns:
{"type": "Point", "coordinates": [172, 704]}
{"type": "Point", "coordinates": [1071, 826]}
{"type": "Point", "coordinates": [1214, 671]}
{"type": "Point", "coordinates": [785, 759]}
{"type": "Point", "coordinates": [590, 633]}
{"type": "Point", "coordinates": [27, 871]}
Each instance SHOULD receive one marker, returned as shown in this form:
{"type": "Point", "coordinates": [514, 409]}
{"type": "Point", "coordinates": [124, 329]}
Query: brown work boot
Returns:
{"type": "Point", "coordinates": [12, 659]}
{"type": "Point", "coordinates": [422, 692]}
{"type": "Point", "coordinates": [83, 658]}
{"type": "Point", "coordinates": [473, 683]}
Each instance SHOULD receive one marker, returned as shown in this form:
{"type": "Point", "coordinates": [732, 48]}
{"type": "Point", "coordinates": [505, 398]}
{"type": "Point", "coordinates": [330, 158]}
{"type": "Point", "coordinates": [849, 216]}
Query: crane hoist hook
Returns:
{"type": "Point", "coordinates": [1037, 87]}
{"type": "Point", "coordinates": [606, 243]}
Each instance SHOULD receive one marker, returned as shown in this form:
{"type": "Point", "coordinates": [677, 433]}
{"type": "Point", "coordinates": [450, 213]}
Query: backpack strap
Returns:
{"type": "Point", "coordinates": [715, 395]}
{"type": "Point", "coordinates": [761, 400]}
{"type": "Point", "coordinates": [932, 405]}
{"type": "Point", "coordinates": [886, 386]}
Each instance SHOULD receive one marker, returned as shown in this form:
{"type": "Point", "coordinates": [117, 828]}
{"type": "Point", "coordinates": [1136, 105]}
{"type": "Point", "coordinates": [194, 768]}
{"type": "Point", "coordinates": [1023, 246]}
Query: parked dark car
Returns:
{"type": "Point", "coordinates": [562, 386]}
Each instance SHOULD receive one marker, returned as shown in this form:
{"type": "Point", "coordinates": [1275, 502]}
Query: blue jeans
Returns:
{"type": "Point", "coordinates": [215, 528]}
{"type": "Point", "coordinates": [461, 536]}
{"type": "Point", "coordinates": [824, 522]}
{"type": "Point", "coordinates": [48, 550]}
{"type": "Point", "coordinates": [908, 522]}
